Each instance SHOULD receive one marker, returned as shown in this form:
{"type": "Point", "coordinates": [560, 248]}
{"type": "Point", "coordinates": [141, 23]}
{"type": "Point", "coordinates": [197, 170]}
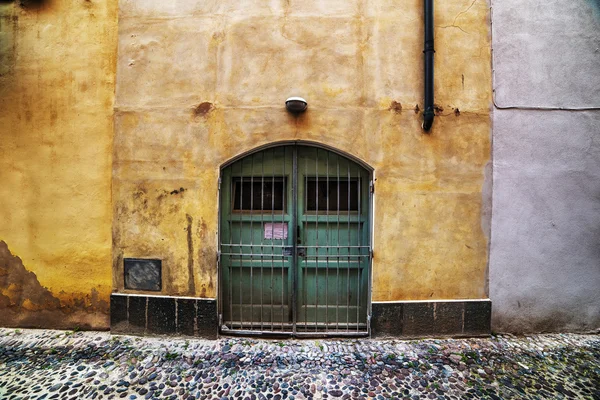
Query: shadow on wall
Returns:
{"type": "Point", "coordinates": [596, 7]}
{"type": "Point", "coordinates": [33, 4]}
{"type": "Point", "coordinates": [25, 303]}
{"type": "Point", "coordinates": [527, 314]}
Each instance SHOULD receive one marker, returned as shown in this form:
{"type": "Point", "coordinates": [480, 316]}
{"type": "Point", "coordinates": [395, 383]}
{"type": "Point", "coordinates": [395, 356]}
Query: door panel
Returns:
{"type": "Point", "coordinates": [256, 278]}
{"type": "Point", "coordinates": [333, 217]}
{"type": "Point", "coordinates": [294, 242]}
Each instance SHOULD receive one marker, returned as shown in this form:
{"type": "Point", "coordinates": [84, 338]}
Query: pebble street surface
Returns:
{"type": "Point", "coordinates": [42, 364]}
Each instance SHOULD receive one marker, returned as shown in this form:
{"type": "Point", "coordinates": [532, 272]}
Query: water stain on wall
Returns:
{"type": "Point", "coordinates": [190, 242]}
{"type": "Point", "coordinates": [155, 212]}
{"type": "Point", "coordinates": [24, 302]}
{"type": "Point", "coordinates": [205, 259]}
{"type": "Point", "coordinates": [8, 44]}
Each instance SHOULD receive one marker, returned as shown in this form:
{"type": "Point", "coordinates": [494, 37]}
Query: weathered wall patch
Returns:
{"type": "Point", "coordinates": [24, 302]}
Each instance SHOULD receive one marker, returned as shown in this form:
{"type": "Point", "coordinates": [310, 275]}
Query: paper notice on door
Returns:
{"type": "Point", "coordinates": [277, 231]}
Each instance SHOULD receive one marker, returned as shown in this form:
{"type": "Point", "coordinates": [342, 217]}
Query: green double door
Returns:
{"type": "Point", "coordinates": [295, 249]}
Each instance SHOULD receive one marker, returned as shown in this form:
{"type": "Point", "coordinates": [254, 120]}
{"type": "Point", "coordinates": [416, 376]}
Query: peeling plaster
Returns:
{"type": "Point", "coordinates": [24, 302]}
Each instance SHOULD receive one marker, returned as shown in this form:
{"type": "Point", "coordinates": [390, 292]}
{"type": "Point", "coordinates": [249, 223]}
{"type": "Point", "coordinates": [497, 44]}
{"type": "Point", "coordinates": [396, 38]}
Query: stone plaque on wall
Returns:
{"type": "Point", "coordinates": [143, 274]}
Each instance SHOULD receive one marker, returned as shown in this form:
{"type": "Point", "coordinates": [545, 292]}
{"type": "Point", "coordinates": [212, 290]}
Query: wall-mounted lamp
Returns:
{"type": "Point", "coordinates": [296, 105]}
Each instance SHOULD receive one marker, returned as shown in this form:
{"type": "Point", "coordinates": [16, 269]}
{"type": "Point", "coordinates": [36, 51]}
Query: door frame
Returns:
{"type": "Point", "coordinates": [370, 235]}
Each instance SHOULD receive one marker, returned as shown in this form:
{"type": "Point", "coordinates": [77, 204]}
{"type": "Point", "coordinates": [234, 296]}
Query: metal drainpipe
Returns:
{"type": "Point", "coordinates": [428, 112]}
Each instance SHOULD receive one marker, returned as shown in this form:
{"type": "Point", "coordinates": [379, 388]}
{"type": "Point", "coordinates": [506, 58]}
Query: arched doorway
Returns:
{"type": "Point", "coordinates": [295, 243]}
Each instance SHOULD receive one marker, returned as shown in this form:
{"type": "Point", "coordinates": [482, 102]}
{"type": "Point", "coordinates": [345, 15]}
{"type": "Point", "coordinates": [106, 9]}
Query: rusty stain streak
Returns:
{"type": "Point", "coordinates": [202, 229]}
{"type": "Point", "coordinates": [395, 107]}
{"type": "Point", "coordinates": [202, 109]}
{"type": "Point", "coordinates": [190, 242]}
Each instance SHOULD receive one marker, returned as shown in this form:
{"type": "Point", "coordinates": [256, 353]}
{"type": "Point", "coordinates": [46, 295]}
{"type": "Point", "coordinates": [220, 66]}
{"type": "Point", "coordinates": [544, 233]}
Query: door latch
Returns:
{"type": "Point", "coordinates": [301, 251]}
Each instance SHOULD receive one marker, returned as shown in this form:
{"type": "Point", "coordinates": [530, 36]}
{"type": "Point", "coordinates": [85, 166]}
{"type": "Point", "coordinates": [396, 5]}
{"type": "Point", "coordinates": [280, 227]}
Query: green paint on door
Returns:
{"type": "Point", "coordinates": [295, 243]}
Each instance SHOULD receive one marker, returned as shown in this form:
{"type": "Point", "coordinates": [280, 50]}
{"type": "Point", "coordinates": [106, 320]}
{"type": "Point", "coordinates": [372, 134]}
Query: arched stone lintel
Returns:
{"type": "Point", "coordinates": [345, 154]}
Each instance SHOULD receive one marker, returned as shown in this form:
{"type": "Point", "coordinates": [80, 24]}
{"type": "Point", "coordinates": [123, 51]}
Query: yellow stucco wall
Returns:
{"type": "Point", "coordinates": [201, 82]}
{"type": "Point", "coordinates": [57, 76]}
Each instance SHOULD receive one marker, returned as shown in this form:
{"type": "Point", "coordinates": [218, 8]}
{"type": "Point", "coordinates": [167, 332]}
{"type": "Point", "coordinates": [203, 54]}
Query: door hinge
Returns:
{"type": "Point", "coordinates": [218, 258]}
{"type": "Point", "coordinates": [372, 187]}
{"type": "Point", "coordinates": [219, 183]}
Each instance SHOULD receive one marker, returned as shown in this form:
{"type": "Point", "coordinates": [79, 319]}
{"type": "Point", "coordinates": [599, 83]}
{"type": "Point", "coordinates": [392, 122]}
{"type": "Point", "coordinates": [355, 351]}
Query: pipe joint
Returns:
{"type": "Point", "coordinates": [428, 116]}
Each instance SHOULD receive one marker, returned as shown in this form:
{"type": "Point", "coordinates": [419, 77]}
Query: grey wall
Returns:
{"type": "Point", "coordinates": [545, 244]}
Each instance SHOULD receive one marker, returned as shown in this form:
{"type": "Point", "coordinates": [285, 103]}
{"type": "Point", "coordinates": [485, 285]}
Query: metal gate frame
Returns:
{"type": "Point", "coordinates": [293, 333]}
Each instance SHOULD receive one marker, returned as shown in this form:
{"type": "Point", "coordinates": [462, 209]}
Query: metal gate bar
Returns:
{"type": "Point", "coordinates": [294, 238]}
{"type": "Point", "coordinates": [301, 244]}
{"type": "Point", "coordinates": [337, 303]}
{"type": "Point", "coordinates": [282, 274]}
{"type": "Point", "coordinates": [358, 237]}
{"type": "Point", "coordinates": [305, 269]}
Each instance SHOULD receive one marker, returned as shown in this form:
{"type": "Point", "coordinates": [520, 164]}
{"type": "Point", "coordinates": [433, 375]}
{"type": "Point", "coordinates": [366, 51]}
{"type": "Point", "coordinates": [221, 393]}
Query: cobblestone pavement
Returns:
{"type": "Point", "coordinates": [36, 364]}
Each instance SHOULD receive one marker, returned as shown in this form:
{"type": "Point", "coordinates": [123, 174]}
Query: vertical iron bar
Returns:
{"type": "Point", "coordinates": [337, 285]}
{"type": "Point", "coordinates": [252, 242]}
{"type": "Point", "coordinates": [317, 243]}
{"type": "Point", "coordinates": [294, 235]}
{"type": "Point", "coordinates": [359, 259]}
{"type": "Point", "coordinates": [241, 240]}
{"type": "Point", "coordinates": [327, 248]}
{"type": "Point", "coordinates": [272, 239]}
{"type": "Point", "coordinates": [262, 229]}
{"type": "Point", "coordinates": [349, 250]}
{"type": "Point", "coordinates": [230, 266]}
{"type": "Point", "coordinates": [283, 222]}
{"type": "Point", "coordinates": [305, 228]}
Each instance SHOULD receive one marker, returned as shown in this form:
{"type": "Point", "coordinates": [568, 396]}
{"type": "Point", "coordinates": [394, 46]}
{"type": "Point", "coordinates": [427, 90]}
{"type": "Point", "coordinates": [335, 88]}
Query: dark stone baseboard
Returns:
{"type": "Point", "coordinates": [163, 315]}
{"type": "Point", "coordinates": [412, 319]}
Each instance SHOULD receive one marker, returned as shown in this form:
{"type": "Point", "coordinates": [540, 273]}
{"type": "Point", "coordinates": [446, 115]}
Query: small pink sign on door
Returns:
{"type": "Point", "coordinates": [277, 231]}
